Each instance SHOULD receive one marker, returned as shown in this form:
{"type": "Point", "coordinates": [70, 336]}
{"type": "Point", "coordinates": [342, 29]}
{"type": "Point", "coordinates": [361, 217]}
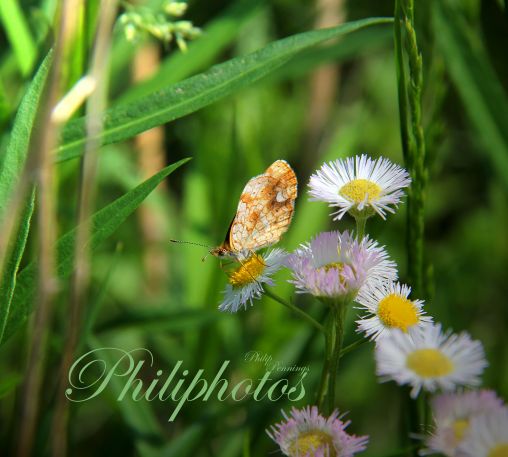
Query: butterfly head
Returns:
{"type": "Point", "coordinates": [220, 252]}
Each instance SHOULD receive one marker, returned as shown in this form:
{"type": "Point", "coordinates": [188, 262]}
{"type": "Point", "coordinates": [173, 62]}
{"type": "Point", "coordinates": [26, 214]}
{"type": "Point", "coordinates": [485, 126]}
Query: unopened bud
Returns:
{"type": "Point", "coordinates": [130, 32]}
{"type": "Point", "coordinates": [176, 9]}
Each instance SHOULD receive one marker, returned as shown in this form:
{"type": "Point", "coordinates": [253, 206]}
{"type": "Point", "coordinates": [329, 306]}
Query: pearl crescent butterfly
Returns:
{"type": "Point", "coordinates": [264, 212]}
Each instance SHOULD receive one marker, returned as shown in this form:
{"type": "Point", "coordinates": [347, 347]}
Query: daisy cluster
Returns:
{"type": "Point", "coordinates": [340, 268]}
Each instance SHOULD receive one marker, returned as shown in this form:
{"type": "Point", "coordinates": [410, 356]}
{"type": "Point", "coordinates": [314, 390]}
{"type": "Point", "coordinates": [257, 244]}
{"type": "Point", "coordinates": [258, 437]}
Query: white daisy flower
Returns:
{"type": "Point", "coordinates": [246, 281]}
{"type": "Point", "coordinates": [488, 435]}
{"type": "Point", "coordinates": [306, 433]}
{"type": "Point", "coordinates": [389, 308]}
{"type": "Point", "coordinates": [453, 413]}
{"type": "Point", "coordinates": [335, 264]}
{"type": "Point", "coordinates": [360, 185]}
{"type": "Point", "coordinates": [428, 358]}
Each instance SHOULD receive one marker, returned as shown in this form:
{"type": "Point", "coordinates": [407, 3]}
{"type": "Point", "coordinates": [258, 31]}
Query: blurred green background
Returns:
{"type": "Point", "coordinates": [334, 101]}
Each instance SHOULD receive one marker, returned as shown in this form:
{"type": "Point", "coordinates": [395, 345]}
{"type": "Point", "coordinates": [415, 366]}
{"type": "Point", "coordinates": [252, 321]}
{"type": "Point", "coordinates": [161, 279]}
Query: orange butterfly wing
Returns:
{"type": "Point", "coordinates": [265, 209]}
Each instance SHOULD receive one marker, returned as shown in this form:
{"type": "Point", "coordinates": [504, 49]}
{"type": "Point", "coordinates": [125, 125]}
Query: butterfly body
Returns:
{"type": "Point", "coordinates": [264, 212]}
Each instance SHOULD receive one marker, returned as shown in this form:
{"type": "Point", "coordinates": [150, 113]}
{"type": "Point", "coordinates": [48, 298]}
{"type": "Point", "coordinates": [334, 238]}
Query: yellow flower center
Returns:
{"type": "Point", "coordinates": [309, 442]}
{"type": "Point", "coordinates": [501, 450]}
{"type": "Point", "coordinates": [248, 271]}
{"type": "Point", "coordinates": [429, 363]}
{"type": "Point", "coordinates": [357, 189]}
{"type": "Point", "coordinates": [335, 265]}
{"type": "Point", "coordinates": [397, 312]}
{"type": "Point", "coordinates": [460, 427]}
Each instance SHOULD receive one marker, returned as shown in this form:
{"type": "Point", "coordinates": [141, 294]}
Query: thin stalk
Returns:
{"type": "Point", "coordinates": [401, 82]}
{"type": "Point", "coordinates": [337, 337]}
{"type": "Point", "coordinates": [360, 227]}
{"type": "Point", "coordinates": [410, 87]}
{"type": "Point", "coordinates": [95, 109]}
{"type": "Point", "coordinates": [353, 346]}
{"type": "Point", "coordinates": [423, 412]}
{"type": "Point", "coordinates": [151, 158]}
{"type": "Point", "coordinates": [42, 161]}
{"type": "Point", "coordinates": [295, 309]}
{"type": "Point", "coordinates": [325, 371]}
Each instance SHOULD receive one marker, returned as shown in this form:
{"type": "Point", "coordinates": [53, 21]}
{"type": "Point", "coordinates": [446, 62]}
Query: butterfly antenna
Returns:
{"type": "Point", "coordinates": [191, 243]}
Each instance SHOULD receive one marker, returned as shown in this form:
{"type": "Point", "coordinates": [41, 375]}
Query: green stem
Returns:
{"type": "Point", "coordinates": [353, 346]}
{"type": "Point", "coordinates": [360, 227]}
{"type": "Point", "coordinates": [410, 87]}
{"type": "Point", "coordinates": [401, 83]}
{"type": "Point", "coordinates": [295, 309]}
{"type": "Point", "coordinates": [325, 373]}
{"type": "Point", "coordinates": [336, 337]}
{"type": "Point", "coordinates": [423, 412]}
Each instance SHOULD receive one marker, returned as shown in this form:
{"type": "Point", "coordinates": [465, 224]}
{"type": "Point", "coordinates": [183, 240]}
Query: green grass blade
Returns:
{"type": "Point", "coordinates": [351, 46]}
{"type": "Point", "coordinates": [104, 224]}
{"type": "Point", "coordinates": [8, 281]}
{"type": "Point", "coordinates": [19, 34]}
{"type": "Point", "coordinates": [201, 53]}
{"type": "Point", "coordinates": [178, 100]}
{"type": "Point", "coordinates": [12, 161]}
{"type": "Point", "coordinates": [477, 84]}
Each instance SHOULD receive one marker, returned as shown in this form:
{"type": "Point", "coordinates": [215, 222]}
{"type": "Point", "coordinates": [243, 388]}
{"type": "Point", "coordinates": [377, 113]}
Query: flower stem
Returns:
{"type": "Point", "coordinates": [360, 227]}
{"type": "Point", "coordinates": [295, 309]}
{"type": "Point", "coordinates": [352, 346]}
{"type": "Point", "coordinates": [336, 335]}
{"type": "Point", "coordinates": [325, 373]}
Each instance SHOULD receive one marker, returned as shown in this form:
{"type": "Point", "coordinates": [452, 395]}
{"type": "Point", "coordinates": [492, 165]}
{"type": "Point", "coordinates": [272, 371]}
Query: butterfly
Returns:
{"type": "Point", "coordinates": [264, 212]}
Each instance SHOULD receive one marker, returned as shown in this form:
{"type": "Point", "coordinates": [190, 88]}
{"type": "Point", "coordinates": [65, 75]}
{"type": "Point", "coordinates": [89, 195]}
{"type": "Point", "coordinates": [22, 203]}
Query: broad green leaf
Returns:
{"type": "Point", "coordinates": [201, 53]}
{"type": "Point", "coordinates": [15, 155]}
{"type": "Point", "coordinates": [125, 121]}
{"type": "Point", "coordinates": [16, 26]}
{"type": "Point", "coordinates": [8, 280]}
{"type": "Point", "coordinates": [477, 84]}
{"type": "Point", "coordinates": [104, 224]}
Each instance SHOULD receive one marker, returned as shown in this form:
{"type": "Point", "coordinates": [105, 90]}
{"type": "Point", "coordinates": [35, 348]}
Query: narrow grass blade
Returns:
{"type": "Point", "coordinates": [12, 161]}
{"type": "Point", "coordinates": [178, 100]}
{"type": "Point", "coordinates": [104, 224]}
{"type": "Point", "coordinates": [201, 53]}
{"type": "Point", "coordinates": [8, 281]}
{"type": "Point", "coordinates": [477, 84]}
{"type": "Point", "coordinates": [16, 27]}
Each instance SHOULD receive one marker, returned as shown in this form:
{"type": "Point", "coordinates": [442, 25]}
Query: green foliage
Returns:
{"type": "Point", "coordinates": [476, 82]}
{"type": "Point", "coordinates": [11, 166]}
{"type": "Point", "coordinates": [168, 104]}
{"type": "Point", "coordinates": [9, 278]}
{"type": "Point", "coordinates": [201, 53]}
{"type": "Point", "coordinates": [14, 157]}
{"type": "Point", "coordinates": [241, 97]}
{"type": "Point", "coordinates": [23, 44]}
{"type": "Point", "coordinates": [104, 223]}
